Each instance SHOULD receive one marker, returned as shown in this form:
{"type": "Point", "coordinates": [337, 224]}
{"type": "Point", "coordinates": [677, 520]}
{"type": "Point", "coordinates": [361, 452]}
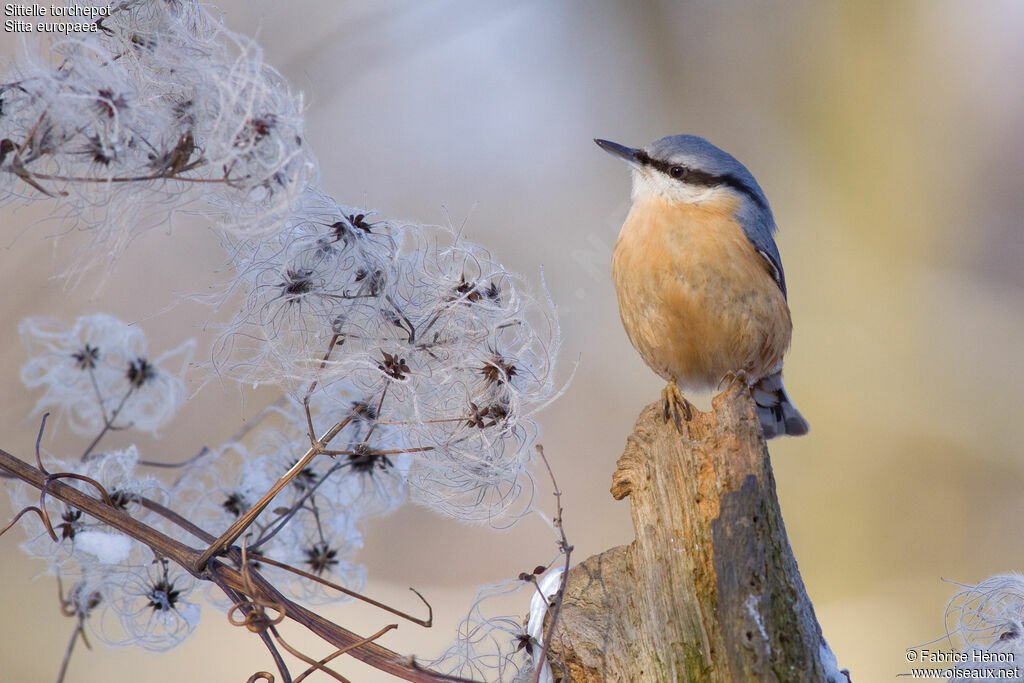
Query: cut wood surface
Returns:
{"type": "Point", "coordinates": [709, 590]}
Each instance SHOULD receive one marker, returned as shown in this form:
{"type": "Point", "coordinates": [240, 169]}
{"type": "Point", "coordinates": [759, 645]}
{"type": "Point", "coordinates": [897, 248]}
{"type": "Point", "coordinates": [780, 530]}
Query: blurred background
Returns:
{"type": "Point", "coordinates": [887, 137]}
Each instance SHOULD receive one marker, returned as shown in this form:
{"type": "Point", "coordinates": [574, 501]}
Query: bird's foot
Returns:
{"type": "Point", "coordinates": [735, 380]}
{"type": "Point", "coordinates": [675, 404]}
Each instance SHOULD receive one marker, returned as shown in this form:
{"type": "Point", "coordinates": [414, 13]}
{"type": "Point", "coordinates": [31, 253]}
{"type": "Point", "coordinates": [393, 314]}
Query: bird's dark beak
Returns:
{"type": "Point", "coordinates": [628, 154]}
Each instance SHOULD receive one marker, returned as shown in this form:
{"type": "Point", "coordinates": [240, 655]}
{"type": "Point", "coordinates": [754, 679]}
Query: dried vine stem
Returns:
{"type": "Point", "coordinates": [68, 610]}
{"type": "Point", "coordinates": [338, 653]}
{"type": "Point", "coordinates": [427, 623]}
{"type": "Point", "coordinates": [563, 544]}
{"type": "Point", "coordinates": [187, 557]}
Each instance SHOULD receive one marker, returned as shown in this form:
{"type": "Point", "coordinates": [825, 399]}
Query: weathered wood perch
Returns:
{"type": "Point", "coordinates": [709, 590]}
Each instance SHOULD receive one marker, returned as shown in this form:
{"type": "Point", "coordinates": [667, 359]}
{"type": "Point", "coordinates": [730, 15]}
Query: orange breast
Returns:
{"type": "Point", "coordinates": [695, 297]}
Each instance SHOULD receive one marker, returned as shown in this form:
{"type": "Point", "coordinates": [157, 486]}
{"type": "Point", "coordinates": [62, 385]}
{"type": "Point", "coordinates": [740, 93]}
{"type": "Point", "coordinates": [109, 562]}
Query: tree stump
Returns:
{"type": "Point", "coordinates": [709, 590]}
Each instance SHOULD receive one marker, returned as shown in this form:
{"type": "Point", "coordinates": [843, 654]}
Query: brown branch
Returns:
{"type": "Point", "coordinates": [161, 543]}
{"type": "Point", "coordinates": [372, 654]}
{"type": "Point", "coordinates": [28, 175]}
{"type": "Point", "coordinates": [245, 521]}
{"type": "Point", "coordinates": [187, 557]}
{"type": "Point", "coordinates": [173, 517]}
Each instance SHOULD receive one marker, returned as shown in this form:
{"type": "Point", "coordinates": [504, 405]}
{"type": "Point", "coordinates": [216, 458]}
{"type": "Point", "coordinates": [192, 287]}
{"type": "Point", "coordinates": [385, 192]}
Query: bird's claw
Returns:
{"type": "Point", "coordinates": [674, 404]}
{"type": "Point", "coordinates": [739, 378]}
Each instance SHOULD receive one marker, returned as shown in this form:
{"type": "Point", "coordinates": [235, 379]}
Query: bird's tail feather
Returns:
{"type": "Point", "coordinates": [779, 417]}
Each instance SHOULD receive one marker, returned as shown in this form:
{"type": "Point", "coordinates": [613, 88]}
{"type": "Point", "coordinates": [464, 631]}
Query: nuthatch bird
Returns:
{"type": "Point", "coordinates": [701, 290]}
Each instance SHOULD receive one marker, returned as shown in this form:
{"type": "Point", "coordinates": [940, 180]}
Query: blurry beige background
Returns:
{"type": "Point", "coordinates": [887, 137]}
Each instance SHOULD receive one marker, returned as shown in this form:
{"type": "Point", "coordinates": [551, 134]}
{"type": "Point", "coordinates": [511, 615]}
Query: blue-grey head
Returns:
{"type": "Point", "coordinates": [689, 169]}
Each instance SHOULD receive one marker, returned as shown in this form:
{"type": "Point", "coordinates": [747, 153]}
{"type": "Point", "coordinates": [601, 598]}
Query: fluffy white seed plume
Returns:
{"type": "Point", "coordinates": [163, 108]}
{"type": "Point", "coordinates": [152, 604]}
{"type": "Point", "coordinates": [423, 327]}
{"type": "Point", "coordinates": [314, 524]}
{"type": "Point", "coordinates": [490, 644]}
{"type": "Point", "coordinates": [427, 354]}
{"type": "Point", "coordinates": [159, 110]}
{"type": "Point", "coordinates": [97, 373]}
{"type": "Point", "coordinates": [986, 622]}
{"type": "Point", "coordinates": [116, 472]}
{"type": "Point", "coordinates": [124, 594]}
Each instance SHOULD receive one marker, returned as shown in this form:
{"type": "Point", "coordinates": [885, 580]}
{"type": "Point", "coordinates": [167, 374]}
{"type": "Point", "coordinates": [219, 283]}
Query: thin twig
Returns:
{"type": "Point", "coordinates": [70, 648]}
{"type": "Point", "coordinates": [338, 653]}
{"type": "Point", "coordinates": [312, 386]}
{"type": "Point", "coordinates": [50, 478]}
{"type": "Point", "coordinates": [239, 598]}
{"type": "Point", "coordinates": [315, 665]}
{"type": "Point", "coordinates": [39, 438]}
{"type": "Point", "coordinates": [108, 424]}
{"type": "Point", "coordinates": [242, 523]}
{"type": "Point", "coordinates": [275, 526]}
{"type": "Point", "coordinates": [250, 424]}
{"type": "Point", "coordinates": [203, 452]}
{"type": "Point", "coordinates": [30, 508]}
{"type": "Point", "coordinates": [372, 654]}
{"type": "Point", "coordinates": [393, 451]}
{"type": "Point", "coordinates": [556, 605]}
{"type": "Point", "coordinates": [123, 179]}
{"type": "Point", "coordinates": [428, 622]}
{"type": "Point", "coordinates": [415, 666]}
{"type": "Point", "coordinates": [172, 516]}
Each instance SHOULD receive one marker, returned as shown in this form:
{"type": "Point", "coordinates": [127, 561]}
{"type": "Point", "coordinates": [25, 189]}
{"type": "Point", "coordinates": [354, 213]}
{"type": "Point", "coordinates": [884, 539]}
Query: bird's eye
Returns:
{"type": "Point", "coordinates": [678, 171]}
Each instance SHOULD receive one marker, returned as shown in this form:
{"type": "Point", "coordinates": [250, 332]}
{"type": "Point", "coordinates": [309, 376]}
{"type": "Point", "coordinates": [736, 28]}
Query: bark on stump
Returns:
{"type": "Point", "coordinates": [709, 590]}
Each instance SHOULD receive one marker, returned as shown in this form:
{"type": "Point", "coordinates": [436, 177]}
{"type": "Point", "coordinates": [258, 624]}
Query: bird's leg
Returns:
{"type": "Point", "coordinates": [675, 403]}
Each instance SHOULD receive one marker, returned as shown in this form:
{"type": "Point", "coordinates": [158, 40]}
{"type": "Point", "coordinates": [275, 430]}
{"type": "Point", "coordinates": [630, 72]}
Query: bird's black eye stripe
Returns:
{"type": "Point", "coordinates": [694, 177]}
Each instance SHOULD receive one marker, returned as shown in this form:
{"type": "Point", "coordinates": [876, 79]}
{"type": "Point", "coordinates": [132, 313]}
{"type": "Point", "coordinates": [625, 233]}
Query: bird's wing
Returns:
{"type": "Point", "coordinates": [759, 227]}
{"type": "Point", "coordinates": [774, 269]}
